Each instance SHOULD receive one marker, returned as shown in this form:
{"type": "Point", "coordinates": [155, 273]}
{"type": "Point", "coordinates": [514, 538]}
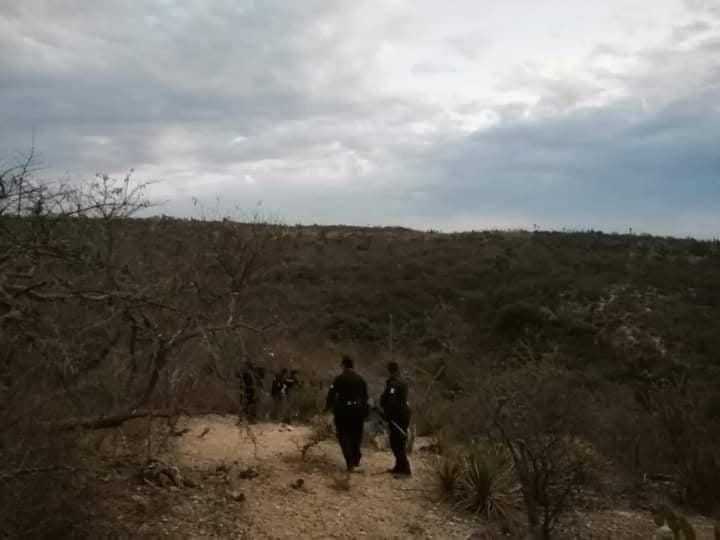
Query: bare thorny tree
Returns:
{"type": "Point", "coordinates": [93, 334]}
{"type": "Point", "coordinates": [537, 421]}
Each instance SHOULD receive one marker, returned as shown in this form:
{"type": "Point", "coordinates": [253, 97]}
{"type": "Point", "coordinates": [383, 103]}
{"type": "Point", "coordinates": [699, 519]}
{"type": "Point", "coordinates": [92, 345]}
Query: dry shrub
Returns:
{"type": "Point", "coordinates": [680, 527]}
{"type": "Point", "coordinates": [44, 505]}
{"type": "Point", "coordinates": [530, 420]}
{"type": "Point", "coordinates": [303, 404]}
{"type": "Point", "coordinates": [45, 486]}
{"type": "Point", "coordinates": [99, 326]}
{"type": "Point", "coordinates": [688, 419]}
{"type": "Point", "coordinates": [437, 418]}
{"type": "Point", "coordinates": [542, 410]}
{"type": "Point", "coordinates": [448, 470]}
{"type": "Point", "coordinates": [321, 429]}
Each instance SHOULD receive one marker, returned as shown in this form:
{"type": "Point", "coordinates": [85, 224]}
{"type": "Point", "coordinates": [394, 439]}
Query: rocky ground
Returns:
{"type": "Point", "coordinates": [233, 481]}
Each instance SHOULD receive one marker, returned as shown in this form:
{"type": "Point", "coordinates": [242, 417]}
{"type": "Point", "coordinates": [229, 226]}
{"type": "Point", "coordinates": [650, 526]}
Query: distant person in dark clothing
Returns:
{"type": "Point", "coordinates": [279, 385]}
{"type": "Point", "coordinates": [348, 400]}
{"type": "Point", "coordinates": [278, 391]}
{"type": "Point", "coordinates": [396, 411]}
{"type": "Point", "coordinates": [252, 377]}
{"type": "Point", "coordinates": [292, 382]}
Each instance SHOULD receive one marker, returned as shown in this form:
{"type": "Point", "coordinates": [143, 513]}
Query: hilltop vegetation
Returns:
{"type": "Point", "coordinates": [629, 308]}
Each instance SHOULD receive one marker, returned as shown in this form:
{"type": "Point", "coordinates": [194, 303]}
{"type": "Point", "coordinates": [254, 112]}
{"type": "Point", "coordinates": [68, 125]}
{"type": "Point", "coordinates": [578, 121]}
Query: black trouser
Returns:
{"type": "Point", "coordinates": [349, 428]}
{"type": "Point", "coordinates": [398, 427]}
{"type": "Point", "coordinates": [250, 403]}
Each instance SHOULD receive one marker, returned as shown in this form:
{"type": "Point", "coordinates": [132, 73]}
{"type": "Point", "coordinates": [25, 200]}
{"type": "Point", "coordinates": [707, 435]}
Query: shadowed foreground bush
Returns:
{"type": "Point", "coordinates": [480, 479]}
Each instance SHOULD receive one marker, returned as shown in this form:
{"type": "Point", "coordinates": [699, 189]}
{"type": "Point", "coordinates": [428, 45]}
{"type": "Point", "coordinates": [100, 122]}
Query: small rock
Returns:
{"type": "Point", "coordinates": [141, 503]}
{"type": "Point", "coordinates": [298, 484]}
{"type": "Point", "coordinates": [247, 474]}
{"type": "Point", "coordinates": [237, 496]}
{"type": "Point", "coordinates": [189, 482]}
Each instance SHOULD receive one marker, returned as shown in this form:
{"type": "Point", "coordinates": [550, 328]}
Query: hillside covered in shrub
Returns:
{"type": "Point", "coordinates": [554, 361]}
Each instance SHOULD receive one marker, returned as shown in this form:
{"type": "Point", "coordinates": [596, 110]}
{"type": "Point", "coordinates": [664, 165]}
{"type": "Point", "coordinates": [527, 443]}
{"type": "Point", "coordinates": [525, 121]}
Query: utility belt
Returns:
{"type": "Point", "coordinates": [350, 403]}
{"type": "Point", "coordinates": [352, 407]}
{"type": "Point", "coordinates": [401, 412]}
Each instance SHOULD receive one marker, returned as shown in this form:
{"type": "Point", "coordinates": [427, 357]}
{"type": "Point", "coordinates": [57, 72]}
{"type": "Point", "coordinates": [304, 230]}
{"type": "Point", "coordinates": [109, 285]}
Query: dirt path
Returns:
{"type": "Point", "coordinates": [321, 504]}
{"type": "Point", "coordinates": [254, 484]}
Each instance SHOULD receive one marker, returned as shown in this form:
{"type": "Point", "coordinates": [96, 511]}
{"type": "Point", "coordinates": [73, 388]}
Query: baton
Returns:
{"type": "Point", "coordinates": [393, 422]}
{"type": "Point", "coordinates": [401, 430]}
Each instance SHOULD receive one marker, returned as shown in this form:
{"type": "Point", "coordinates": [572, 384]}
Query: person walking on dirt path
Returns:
{"type": "Point", "coordinates": [292, 382]}
{"type": "Point", "coordinates": [292, 385]}
{"type": "Point", "coordinates": [396, 411]}
{"type": "Point", "coordinates": [278, 392]}
{"type": "Point", "coordinates": [252, 377]}
{"type": "Point", "coordinates": [348, 400]}
{"type": "Point", "coordinates": [279, 385]}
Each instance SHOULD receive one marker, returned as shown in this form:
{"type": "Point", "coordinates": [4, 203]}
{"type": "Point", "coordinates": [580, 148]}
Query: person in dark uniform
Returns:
{"type": "Point", "coordinates": [252, 377]}
{"type": "Point", "coordinates": [348, 400]}
{"type": "Point", "coordinates": [396, 411]}
{"type": "Point", "coordinates": [278, 391]}
{"type": "Point", "coordinates": [279, 385]}
{"type": "Point", "coordinates": [292, 382]}
{"type": "Point", "coordinates": [292, 385]}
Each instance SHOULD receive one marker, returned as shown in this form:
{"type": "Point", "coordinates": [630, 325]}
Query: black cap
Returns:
{"type": "Point", "coordinates": [347, 362]}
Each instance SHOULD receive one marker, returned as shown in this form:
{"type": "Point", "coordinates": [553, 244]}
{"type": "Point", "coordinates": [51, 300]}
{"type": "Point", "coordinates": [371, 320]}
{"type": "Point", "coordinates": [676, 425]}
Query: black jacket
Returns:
{"type": "Point", "coordinates": [252, 377]}
{"type": "Point", "coordinates": [292, 383]}
{"type": "Point", "coordinates": [394, 400]}
{"type": "Point", "coordinates": [279, 385]}
{"type": "Point", "coordinates": [347, 392]}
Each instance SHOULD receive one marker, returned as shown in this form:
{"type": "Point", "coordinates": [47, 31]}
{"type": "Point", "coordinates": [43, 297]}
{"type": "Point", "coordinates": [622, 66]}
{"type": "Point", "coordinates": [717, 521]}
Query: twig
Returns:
{"type": "Point", "coordinates": [27, 471]}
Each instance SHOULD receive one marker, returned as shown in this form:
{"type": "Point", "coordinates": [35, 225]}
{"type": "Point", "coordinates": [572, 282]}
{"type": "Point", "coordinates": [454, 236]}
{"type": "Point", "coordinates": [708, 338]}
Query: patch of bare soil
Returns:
{"type": "Point", "coordinates": [252, 482]}
{"type": "Point", "coordinates": [288, 497]}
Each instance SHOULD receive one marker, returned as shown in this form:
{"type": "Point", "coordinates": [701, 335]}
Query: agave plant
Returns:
{"type": "Point", "coordinates": [487, 483]}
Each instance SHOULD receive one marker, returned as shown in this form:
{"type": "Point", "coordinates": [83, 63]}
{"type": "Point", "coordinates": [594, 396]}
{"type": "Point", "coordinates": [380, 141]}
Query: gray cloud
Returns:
{"type": "Point", "coordinates": [649, 160]}
{"type": "Point", "coordinates": [100, 87]}
{"type": "Point", "coordinates": [710, 7]}
{"type": "Point", "coordinates": [683, 32]}
{"type": "Point", "coordinates": [292, 103]}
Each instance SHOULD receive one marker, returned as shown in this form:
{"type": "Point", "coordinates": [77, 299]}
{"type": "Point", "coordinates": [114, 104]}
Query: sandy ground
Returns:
{"type": "Point", "coordinates": [252, 482]}
{"type": "Point", "coordinates": [373, 505]}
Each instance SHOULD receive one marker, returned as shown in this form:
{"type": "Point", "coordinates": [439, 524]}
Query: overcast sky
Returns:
{"type": "Point", "coordinates": [453, 114]}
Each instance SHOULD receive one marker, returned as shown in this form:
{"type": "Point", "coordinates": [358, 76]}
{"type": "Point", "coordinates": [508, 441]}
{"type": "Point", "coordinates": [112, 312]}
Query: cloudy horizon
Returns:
{"type": "Point", "coordinates": [450, 115]}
